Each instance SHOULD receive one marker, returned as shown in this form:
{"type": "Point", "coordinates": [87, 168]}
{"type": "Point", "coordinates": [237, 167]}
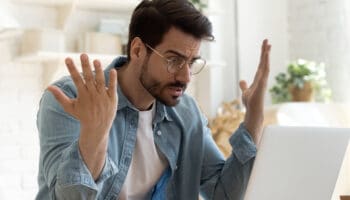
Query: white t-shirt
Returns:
{"type": "Point", "coordinates": [147, 164]}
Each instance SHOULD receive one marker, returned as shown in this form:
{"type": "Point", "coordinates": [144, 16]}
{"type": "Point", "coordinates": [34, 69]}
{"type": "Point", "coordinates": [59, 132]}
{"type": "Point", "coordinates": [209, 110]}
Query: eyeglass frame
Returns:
{"type": "Point", "coordinates": [170, 63]}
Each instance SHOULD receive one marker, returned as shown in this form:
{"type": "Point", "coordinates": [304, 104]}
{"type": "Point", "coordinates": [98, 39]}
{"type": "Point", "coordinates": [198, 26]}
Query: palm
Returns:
{"type": "Point", "coordinates": [95, 105]}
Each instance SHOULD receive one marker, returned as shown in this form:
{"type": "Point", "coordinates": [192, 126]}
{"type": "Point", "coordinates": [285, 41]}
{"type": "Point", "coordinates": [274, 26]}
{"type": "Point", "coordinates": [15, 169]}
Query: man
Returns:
{"type": "Point", "coordinates": [130, 132]}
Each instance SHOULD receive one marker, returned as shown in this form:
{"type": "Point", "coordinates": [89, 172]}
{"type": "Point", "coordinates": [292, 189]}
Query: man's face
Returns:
{"type": "Point", "coordinates": [155, 77]}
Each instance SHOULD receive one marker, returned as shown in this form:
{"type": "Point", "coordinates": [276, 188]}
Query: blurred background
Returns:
{"type": "Point", "coordinates": [36, 36]}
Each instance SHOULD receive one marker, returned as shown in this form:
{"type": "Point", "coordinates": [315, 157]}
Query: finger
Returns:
{"type": "Point", "coordinates": [263, 50]}
{"type": "Point", "coordinates": [113, 81]}
{"type": "Point", "coordinates": [62, 98]}
{"type": "Point", "coordinates": [243, 85]}
{"type": "Point", "coordinates": [99, 77]}
{"type": "Point", "coordinates": [265, 68]}
{"type": "Point", "coordinates": [267, 59]}
{"type": "Point", "coordinates": [87, 72]}
{"type": "Point", "coordinates": [78, 81]}
{"type": "Point", "coordinates": [261, 62]}
{"type": "Point", "coordinates": [264, 65]}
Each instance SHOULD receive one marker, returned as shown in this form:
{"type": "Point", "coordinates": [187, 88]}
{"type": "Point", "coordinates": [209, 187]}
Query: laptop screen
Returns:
{"type": "Point", "coordinates": [297, 163]}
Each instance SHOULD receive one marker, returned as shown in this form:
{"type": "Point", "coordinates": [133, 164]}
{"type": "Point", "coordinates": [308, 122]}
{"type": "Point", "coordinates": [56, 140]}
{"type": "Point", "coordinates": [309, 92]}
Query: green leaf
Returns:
{"type": "Point", "coordinates": [299, 72]}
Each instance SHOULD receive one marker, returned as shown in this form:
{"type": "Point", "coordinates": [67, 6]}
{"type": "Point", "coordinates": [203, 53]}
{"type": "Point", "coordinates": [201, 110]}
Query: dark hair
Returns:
{"type": "Point", "coordinates": [151, 19]}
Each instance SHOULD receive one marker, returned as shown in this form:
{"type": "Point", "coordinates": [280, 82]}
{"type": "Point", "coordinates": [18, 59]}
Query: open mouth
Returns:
{"type": "Point", "coordinates": [176, 91]}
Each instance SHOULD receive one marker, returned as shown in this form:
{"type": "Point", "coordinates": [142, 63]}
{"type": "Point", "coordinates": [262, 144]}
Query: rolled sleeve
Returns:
{"type": "Point", "coordinates": [243, 145]}
{"type": "Point", "coordinates": [228, 179]}
{"type": "Point", "coordinates": [73, 170]}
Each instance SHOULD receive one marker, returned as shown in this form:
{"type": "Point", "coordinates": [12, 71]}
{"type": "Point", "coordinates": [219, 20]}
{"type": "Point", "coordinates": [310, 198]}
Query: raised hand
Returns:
{"type": "Point", "coordinates": [253, 97]}
{"type": "Point", "coordinates": [95, 107]}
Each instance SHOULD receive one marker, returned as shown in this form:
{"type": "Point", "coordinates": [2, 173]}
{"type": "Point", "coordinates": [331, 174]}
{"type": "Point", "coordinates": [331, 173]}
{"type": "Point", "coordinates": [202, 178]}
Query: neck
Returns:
{"type": "Point", "coordinates": [133, 90]}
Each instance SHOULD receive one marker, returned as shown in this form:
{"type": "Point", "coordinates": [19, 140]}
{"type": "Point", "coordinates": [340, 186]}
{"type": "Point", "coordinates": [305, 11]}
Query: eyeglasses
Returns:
{"type": "Point", "coordinates": [176, 63]}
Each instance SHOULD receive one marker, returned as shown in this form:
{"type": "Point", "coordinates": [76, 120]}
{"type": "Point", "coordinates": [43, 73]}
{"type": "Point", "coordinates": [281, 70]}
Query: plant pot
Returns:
{"type": "Point", "coordinates": [302, 94]}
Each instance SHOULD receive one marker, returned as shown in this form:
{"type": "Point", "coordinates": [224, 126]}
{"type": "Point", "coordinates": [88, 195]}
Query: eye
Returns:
{"type": "Point", "coordinates": [192, 62]}
{"type": "Point", "coordinates": [176, 60]}
{"type": "Point", "coordinates": [195, 62]}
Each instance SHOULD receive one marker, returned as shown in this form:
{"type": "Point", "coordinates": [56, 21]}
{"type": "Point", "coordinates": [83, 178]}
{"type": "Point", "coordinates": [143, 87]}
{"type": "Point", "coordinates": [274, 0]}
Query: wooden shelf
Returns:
{"type": "Point", "coordinates": [103, 5]}
{"type": "Point", "coordinates": [53, 3]}
{"type": "Point", "coordinates": [9, 33]}
{"type": "Point", "coordinates": [108, 5]}
{"type": "Point", "coordinates": [66, 8]}
{"type": "Point", "coordinates": [44, 57]}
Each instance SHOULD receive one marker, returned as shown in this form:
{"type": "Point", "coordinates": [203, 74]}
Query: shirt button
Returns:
{"type": "Point", "coordinates": [159, 133]}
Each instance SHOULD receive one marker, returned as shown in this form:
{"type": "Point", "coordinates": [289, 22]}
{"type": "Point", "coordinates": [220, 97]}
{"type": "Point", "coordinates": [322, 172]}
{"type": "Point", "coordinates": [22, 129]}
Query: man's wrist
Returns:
{"type": "Point", "coordinates": [93, 156]}
{"type": "Point", "coordinates": [254, 127]}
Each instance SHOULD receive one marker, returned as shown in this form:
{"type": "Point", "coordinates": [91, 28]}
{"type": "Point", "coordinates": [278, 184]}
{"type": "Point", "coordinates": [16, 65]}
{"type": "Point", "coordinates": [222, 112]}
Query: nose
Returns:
{"type": "Point", "coordinates": [184, 74]}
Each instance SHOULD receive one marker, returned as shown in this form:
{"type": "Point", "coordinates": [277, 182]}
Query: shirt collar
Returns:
{"type": "Point", "coordinates": [122, 100]}
{"type": "Point", "coordinates": [162, 113]}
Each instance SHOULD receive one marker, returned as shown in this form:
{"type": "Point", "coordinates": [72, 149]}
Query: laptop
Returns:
{"type": "Point", "coordinates": [298, 163]}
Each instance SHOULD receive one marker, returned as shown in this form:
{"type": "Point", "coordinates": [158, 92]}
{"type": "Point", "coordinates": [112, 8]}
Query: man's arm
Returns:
{"type": "Point", "coordinates": [253, 97]}
{"type": "Point", "coordinates": [228, 179]}
{"type": "Point", "coordinates": [62, 168]}
{"type": "Point", "coordinates": [73, 147]}
{"type": "Point", "coordinates": [95, 108]}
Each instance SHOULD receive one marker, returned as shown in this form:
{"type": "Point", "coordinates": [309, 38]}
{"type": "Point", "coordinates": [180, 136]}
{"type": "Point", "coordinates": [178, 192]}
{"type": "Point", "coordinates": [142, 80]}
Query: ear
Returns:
{"type": "Point", "coordinates": [138, 50]}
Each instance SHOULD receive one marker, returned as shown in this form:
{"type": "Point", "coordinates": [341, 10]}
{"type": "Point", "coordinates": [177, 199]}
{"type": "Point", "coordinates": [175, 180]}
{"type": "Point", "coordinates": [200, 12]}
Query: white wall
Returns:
{"type": "Point", "coordinates": [316, 30]}
{"type": "Point", "coordinates": [21, 85]}
{"type": "Point", "coordinates": [218, 82]}
{"type": "Point", "coordinates": [320, 31]}
{"type": "Point", "coordinates": [258, 20]}
{"type": "Point", "coordinates": [20, 89]}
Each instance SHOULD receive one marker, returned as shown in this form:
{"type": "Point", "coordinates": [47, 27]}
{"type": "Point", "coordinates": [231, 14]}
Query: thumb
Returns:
{"type": "Point", "coordinates": [243, 85]}
{"type": "Point", "coordinates": [60, 97]}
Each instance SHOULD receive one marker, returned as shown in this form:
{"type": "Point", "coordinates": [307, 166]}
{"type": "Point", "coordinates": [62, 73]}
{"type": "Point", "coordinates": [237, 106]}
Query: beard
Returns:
{"type": "Point", "coordinates": [167, 93]}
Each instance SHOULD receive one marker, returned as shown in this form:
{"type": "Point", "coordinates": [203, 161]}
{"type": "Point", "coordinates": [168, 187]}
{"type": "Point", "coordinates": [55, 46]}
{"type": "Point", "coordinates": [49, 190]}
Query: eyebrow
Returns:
{"type": "Point", "coordinates": [181, 55]}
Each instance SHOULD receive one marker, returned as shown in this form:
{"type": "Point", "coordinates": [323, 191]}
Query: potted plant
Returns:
{"type": "Point", "coordinates": [304, 81]}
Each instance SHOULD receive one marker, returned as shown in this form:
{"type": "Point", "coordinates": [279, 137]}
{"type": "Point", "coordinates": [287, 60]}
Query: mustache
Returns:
{"type": "Point", "coordinates": [178, 84]}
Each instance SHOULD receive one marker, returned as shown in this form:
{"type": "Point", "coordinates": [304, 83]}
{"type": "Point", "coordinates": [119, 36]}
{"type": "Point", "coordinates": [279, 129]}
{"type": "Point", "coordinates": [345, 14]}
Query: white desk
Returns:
{"type": "Point", "coordinates": [309, 114]}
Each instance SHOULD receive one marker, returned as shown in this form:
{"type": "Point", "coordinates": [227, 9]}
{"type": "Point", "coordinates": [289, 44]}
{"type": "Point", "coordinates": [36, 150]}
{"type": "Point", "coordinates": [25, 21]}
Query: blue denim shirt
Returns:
{"type": "Point", "coordinates": [196, 165]}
